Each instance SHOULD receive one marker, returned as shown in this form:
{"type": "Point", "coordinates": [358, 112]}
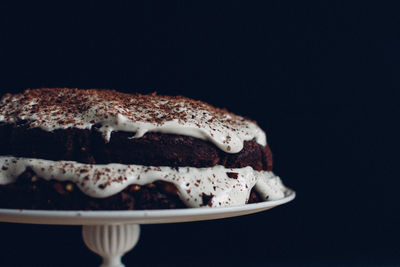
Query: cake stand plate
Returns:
{"type": "Point", "coordinates": [113, 233]}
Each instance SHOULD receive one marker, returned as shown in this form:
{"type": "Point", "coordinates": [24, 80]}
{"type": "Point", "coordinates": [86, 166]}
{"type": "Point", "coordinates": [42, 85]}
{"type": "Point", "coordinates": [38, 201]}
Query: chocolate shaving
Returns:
{"type": "Point", "coordinates": [207, 199]}
{"type": "Point", "coordinates": [233, 175]}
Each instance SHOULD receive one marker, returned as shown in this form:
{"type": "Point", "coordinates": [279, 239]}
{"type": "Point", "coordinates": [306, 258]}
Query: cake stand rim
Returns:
{"type": "Point", "coordinates": [81, 217]}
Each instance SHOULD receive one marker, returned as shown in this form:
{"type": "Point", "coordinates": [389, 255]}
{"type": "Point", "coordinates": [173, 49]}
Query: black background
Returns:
{"type": "Point", "coordinates": [321, 78]}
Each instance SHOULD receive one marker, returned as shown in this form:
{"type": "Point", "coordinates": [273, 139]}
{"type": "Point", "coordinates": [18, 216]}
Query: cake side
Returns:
{"type": "Point", "coordinates": [94, 149]}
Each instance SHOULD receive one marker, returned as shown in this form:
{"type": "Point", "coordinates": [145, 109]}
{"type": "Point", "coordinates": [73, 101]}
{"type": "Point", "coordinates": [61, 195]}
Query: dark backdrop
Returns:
{"type": "Point", "coordinates": [321, 78]}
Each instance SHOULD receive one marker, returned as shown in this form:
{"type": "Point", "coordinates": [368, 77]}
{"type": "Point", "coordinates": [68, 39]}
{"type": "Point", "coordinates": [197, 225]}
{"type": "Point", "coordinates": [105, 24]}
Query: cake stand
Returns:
{"type": "Point", "coordinates": [111, 234]}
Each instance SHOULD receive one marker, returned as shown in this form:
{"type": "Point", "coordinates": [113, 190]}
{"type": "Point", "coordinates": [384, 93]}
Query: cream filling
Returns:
{"type": "Point", "coordinates": [227, 186]}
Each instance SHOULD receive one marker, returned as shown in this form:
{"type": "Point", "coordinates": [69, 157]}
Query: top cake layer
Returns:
{"type": "Point", "coordinates": [61, 108]}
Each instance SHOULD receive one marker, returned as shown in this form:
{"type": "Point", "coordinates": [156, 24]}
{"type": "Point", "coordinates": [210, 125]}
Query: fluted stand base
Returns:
{"type": "Point", "coordinates": [111, 241]}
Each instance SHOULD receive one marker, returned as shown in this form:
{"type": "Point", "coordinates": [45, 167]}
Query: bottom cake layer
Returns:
{"type": "Point", "coordinates": [31, 192]}
{"type": "Point", "coordinates": [67, 185]}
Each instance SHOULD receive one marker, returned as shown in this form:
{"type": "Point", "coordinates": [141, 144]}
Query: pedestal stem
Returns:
{"type": "Point", "coordinates": [111, 242]}
{"type": "Point", "coordinates": [112, 261]}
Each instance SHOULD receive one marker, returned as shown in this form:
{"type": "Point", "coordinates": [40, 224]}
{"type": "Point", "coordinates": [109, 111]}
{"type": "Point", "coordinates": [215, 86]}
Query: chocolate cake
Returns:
{"type": "Point", "coordinates": [73, 149]}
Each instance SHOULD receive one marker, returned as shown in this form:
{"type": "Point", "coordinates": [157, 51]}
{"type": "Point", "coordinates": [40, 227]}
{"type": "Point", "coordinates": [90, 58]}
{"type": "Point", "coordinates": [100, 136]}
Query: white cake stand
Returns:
{"type": "Point", "coordinates": [113, 233]}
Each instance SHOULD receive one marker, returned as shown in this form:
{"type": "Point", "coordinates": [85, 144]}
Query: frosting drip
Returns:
{"type": "Point", "coordinates": [226, 186]}
{"type": "Point", "coordinates": [52, 109]}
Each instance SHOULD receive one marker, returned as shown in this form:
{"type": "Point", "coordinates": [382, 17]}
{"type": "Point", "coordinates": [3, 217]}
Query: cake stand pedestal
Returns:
{"type": "Point", "coordinates": [111, 241]}
{"type": "Point", "coordinates": [111, 234]}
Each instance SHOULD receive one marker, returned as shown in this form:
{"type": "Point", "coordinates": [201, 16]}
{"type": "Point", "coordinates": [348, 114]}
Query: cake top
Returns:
{"type": "Point", "coordinates": [60, 108]}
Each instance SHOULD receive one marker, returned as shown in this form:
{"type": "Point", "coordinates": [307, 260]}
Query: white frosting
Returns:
{"type": "Point", "coordinates": [102, 181]}
{"type": "Point", "coordinates": [52, 109]}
